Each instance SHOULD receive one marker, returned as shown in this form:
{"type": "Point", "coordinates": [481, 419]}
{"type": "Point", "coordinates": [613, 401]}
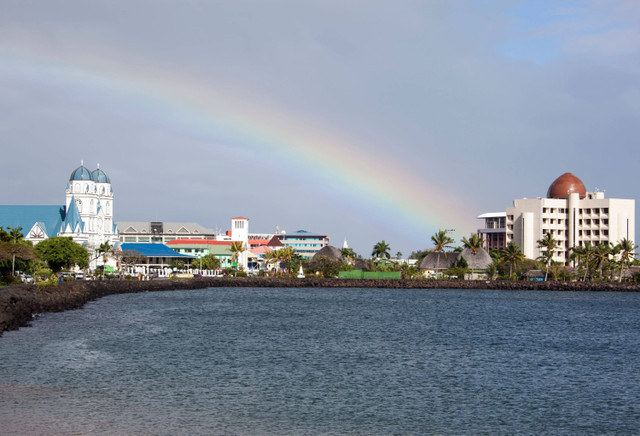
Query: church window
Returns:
{"type": "Point", "coordinates": [86, 188]}
{"type": "Point", "coordinates": [79, 206]}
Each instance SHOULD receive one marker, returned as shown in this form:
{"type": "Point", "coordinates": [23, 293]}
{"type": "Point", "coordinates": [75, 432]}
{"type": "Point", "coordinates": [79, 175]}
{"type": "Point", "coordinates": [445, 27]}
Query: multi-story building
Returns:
{"type": "Point", "coordinates": [160, 232]}
{"type": "Point", "coordinates": [494, 232]}
{"type": "Point", "coordinates": [572, 216]}
{"type": "Point", "coordinates": [304, 243]}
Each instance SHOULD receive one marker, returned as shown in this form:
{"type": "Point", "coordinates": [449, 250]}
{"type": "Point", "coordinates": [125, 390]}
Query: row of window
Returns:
{"type": "Point", "coordinates": [595, 210]}
{"type": "Point", "coordinates": [596, 222]}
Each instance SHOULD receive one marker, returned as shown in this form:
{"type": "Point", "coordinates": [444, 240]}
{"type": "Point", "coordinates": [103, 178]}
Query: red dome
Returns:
{"type": "Point", "coordinates": [565, 185]}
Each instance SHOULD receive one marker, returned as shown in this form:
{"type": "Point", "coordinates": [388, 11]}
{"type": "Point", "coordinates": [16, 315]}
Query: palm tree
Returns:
{"type": "Point", "coordinates": [104, 248]}
{"type": "Point", "coordinates": [271, 257]}
{"type": "Point", "coordinates": [15, 235]}
{"type": "Point", "coordinates": [286, 254]}
{"type": "Point", "coordinates": [584, 254]}
{"type": "Point", "coordinates": [474, 243]}
{"type": "Point", "coordinates": [601, 256]}
{"type": "Point", "coordinates": [549, 244]}
{"type": "Point", "coordinates": [381, 250]}
{"type": "Point", "coordinates": [236, 248]}
{"type": "Point", "coordinates": [627, 253]}
{"type": "Point", "coordinates": [512, 255]}
{"type": "Point", "coordinates": [441, 241]}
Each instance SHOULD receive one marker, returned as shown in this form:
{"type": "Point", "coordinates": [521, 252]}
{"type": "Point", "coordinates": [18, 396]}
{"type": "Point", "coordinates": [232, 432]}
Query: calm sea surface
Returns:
{"type": "Point", "coordinates": [327, 361]}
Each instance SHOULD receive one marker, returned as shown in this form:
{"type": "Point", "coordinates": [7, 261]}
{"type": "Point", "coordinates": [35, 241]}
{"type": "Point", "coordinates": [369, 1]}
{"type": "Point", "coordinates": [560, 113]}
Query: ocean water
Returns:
{"type": "Point", "coordinates": [327, 361]}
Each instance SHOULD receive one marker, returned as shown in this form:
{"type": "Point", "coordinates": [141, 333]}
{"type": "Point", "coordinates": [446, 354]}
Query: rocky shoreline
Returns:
{"type": "Point", "coordinates": [19, 304]}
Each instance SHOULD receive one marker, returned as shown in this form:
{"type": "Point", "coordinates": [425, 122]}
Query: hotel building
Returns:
{"type": "Point", "coordinates": [572, 215]}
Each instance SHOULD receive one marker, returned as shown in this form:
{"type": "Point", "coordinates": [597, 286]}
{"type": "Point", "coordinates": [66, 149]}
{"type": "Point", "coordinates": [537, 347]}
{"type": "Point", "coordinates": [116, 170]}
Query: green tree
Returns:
{"type": "Point", "coordinates": [236, 248]}
{"type": "Point", "coordinates": [584, 254]}
{"type": "Point", "coordinates": [512, 255]}
{"type": "Point", "coordinates": [381, 250]}
{"type": "Point", "coordinates": [627, 249]}
{"type": "Point", "coordinates": [348, 254]}
{"type": "Point", "coordinates": [61, 252]}
{"type": "Point", "coordinates": [602, 257]}
{"type": "Point", "coordinates": [104, 249]}
{"type": "Point", "coordinates": [474, 243]}
{"type": "Point", "coordinates": [209, 262]}
{"type": "Point", "coordinates": [549, 244]}
{"type": "Point", "coordinates": [441, 241]}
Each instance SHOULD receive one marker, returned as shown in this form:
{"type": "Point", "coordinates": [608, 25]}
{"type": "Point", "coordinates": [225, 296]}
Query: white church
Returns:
{"type": "Point", "coordinates": [87, 215]}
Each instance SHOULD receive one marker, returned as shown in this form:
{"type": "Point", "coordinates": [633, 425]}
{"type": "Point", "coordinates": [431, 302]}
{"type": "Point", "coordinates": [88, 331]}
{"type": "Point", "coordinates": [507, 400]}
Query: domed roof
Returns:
{"type": "Point", "coordinates": [100, 176]}
{"type": "Point", "coordinates": [80, 173]}
{"type": "Point", "coordinates": [565, 185]}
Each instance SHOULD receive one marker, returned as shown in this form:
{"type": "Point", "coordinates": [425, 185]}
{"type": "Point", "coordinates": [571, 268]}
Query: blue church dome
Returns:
{"type": "Point", "coordinates": [100, 176]}
{"type": "Point", "coordinates": [80, 173]}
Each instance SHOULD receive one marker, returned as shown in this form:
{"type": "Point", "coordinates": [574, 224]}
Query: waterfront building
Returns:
{"type": "Point", "coordinates": [158, 232]}
{"type": "Point", "coordinates": [86, 216]}
{"type": "Point", "coordinates": [203, 247]}
{"type": "Point", "coordinates": [152, 259]}
{"type": "Point", "coordinates": [494, 232]}
{"type": "Point", "coordinates": [304, 243]}
{"type": "Point", "coordinates": [572, 216]}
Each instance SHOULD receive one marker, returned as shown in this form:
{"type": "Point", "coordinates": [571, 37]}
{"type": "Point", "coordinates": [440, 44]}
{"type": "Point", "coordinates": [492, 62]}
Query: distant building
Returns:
{"type": "Point", "coordinates": [158, 232]}
{"type": "Point", "coordinates": [572, 215]}
{"type": "Point", "coordinates": [304, 243]}
{"type": "Point", "coordinates": [494, 231]}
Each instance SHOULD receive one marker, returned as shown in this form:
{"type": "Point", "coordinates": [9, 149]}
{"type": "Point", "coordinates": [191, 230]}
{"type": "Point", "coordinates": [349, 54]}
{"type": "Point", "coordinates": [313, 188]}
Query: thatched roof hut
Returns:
{"type": "Point", "coordinates": [438, 261]}
{"type": "Point", "coordinates": [329, 251]}
{"type": "Point", "coordinates": [479, 261]}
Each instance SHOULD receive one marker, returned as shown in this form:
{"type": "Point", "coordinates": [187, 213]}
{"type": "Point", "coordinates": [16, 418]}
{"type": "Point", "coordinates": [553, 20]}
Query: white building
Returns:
{"type": "Point", "coordinates": [572, 215]}
{"type": "Point", "coordinates": [87, 215]}
{"type": "Point", "coordinates": [91, 195]}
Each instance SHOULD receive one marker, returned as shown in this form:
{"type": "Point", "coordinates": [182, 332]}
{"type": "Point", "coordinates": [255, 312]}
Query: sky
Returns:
{"type": "Point", "coordinates": [365, 120]}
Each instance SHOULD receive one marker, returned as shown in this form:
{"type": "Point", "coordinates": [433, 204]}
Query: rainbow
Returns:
{"type": "Point", "coordinates": [369, 178]}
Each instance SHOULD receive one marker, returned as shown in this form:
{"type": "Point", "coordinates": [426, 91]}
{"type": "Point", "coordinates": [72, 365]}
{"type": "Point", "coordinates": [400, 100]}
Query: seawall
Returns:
{"type": "Point", "coordinates": [18, 304]}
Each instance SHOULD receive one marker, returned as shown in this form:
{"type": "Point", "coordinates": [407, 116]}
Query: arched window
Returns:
{"type": "Point", "coordinates": [79, 205]}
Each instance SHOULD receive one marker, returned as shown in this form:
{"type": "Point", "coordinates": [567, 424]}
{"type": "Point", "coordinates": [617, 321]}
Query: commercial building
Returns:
{"type": "Point", "coordinates": [157, 232]}
{"type": "Point", "coordinates": [572, 216]}
{"type": "Point", "coordinates": [304, 243]}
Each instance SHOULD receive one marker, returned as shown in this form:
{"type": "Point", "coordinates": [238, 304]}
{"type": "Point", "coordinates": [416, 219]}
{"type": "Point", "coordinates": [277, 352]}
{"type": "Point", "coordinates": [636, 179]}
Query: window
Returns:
{"type": "Point", "coordinates": [544, 210]}
{"type": "Point", "coordinates": [605, 221]}
{"type": "Point", "coordinates": [129, 239]}
{"type": "Point", "coordinates": [551, 221]}
{"type": "Point", "coordinates": [605, 210]}
{"type": "Point", "coordinates": [587, 211]}
{"type": "Point", "coordinates": [143, 239]}
{"type": "Point", "coordinates": [552, 210]}
{"type": "Point", "coordinates": [596, 222]}
{"type": "Point", "coordinates": [580, 211]}
{"type": "Point", "coordinates": [580, 222]}
{"type": "Point", "coordinates": [596, 210]}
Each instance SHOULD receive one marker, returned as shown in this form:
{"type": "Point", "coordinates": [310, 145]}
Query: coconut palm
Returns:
{"type": "Point", "coordinates": [286, 254]}
{"type": "Point", "coordinates": [584, 255]}
{"type": "Point", "coordinates": [103, 250]}
{"type": "Point", "coordinates": [601, 256]}
{"type": "Point", "coordinates": [512, 255]}
{"type": "Point", "coordinates": [474, 243]}
{"type": "Point", "coordinates": [627, 253]}
{"type": "Point", "coordinates": [381, 250]}
{"type": "Point", "coordinates": [271, 257]}
{"type": "Point", "coordinates": [549, 244]}
{"type": "Point", "coordinates": [15, 236]}
{"type": "Point", "coordinates": [441, 241]}
{"type": "Point", "coordinates": [236, 248]}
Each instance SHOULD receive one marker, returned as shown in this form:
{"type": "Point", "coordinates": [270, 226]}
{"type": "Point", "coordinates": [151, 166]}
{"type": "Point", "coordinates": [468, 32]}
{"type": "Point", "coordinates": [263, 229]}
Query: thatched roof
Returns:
{"type": "Point", "coordinates": [329, 251]}
{"type": "Point", "coordinates": [439, 261]}
{"type": "Point", "coordinates": [479, 261]}
{"type": "Point", "coordinates": [534, 273]}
